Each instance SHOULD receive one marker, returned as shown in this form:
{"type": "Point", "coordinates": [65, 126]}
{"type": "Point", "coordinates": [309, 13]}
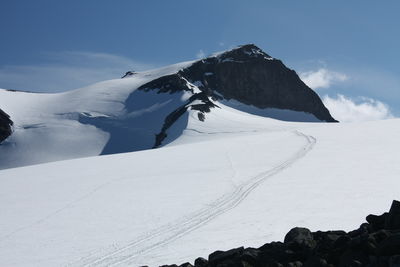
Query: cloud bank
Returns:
{"type": "Point", "coordinates": [345, 109]}
{"type": "Point", "coordinates": [341, 107]}
{"type": "Point", "coordinates": [67, 70]}
{"type": "Point", "coordinates": [322, 78]}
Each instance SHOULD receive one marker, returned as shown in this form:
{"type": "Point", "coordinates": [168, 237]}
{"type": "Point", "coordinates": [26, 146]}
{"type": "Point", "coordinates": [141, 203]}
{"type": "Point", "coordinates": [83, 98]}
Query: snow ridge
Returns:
{"type": "Point", "coordinates": [172, 231]}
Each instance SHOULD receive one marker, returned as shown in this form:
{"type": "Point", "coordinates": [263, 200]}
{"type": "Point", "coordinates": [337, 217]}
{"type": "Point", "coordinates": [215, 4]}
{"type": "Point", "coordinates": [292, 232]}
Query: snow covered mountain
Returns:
{"type": "Point", "coordinates": [153, 108]}
{"type": "Point", "coordinates": [223, 176]}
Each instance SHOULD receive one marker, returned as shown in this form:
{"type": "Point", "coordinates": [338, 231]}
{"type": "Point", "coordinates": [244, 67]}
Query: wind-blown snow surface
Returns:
{"type": "Point", "coordinates": [235, 179]}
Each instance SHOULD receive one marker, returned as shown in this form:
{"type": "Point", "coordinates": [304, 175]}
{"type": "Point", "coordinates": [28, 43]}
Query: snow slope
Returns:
{"type": "Point", "coordinates": [83, 122]}
{"type": "Point", "coordinates": [109, 117]}
{"type": "Point", "coordinates": [235, 179]}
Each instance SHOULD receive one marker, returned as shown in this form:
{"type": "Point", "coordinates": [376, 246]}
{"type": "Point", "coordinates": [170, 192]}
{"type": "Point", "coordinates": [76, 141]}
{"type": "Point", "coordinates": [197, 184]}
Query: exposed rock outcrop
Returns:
{"type": "Point", "coordinates": [204, 106]}
{"type": "Point", "coordinates": [5, 125]}
{"type": "Point", "coordinates": [375, 244]}
{"type": "Point", "coordinates": [250, 76]}
{"type": "Point", "coordinates": [200, 100]}
{"type": "Point", "coordinates": [128, 73]}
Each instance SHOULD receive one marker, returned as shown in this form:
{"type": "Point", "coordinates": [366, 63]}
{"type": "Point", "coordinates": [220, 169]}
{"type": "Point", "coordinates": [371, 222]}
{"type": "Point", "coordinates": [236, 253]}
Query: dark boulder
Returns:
{"type": "Point", "coordinates": [5, 125]}
{"type": "Point", "coordinates": [393, 217]}
{"type": "Point", "coordinates": [295, 264]}
{"type": "Point", "coordinates": [326, 240]}
{"type": "Point", "coordinates": [315, 262]}
{"type": "Point", "coordinates": [377, 222]}
{"type": "Point", "coordinates": [353, 257]}
{"type": "Point", "coordinates": [390, 246]}
{"type": "Point", "coordinates": [250, 256]}
{"type": "Point", "coordinates": [380, 235]}
{"type": "Point", "coordinates": [364, 229]}
{"type": "Point", "coordinates": [277, 253]}
{"type": "Point", "coordinates": [300, 237]}
{"type": "Point", "coordinates": [200, 262]}
{"type": "Point", "coordinates": [394, 261]}
{"type": "Point", "coordinates": [342, 241]}
{"type": "Point", "coordinates": [217, 257]}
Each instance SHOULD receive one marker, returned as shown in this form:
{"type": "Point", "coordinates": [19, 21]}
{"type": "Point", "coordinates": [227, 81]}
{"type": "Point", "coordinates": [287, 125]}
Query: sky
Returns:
{"type": "Point", "coordinates": [347, 51]}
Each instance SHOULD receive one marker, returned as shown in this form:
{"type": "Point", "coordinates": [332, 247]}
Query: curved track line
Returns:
{"type": "Point", "coordinates": [172, 231]}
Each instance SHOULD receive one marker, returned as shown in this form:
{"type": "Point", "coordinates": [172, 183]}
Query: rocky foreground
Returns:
{"type": "Point", "coordinates": [374, 243]}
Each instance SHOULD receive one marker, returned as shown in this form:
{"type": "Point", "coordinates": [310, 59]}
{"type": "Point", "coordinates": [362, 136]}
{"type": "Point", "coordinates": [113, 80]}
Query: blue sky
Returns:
{"type": "Point", "coordinates": [345, 50]}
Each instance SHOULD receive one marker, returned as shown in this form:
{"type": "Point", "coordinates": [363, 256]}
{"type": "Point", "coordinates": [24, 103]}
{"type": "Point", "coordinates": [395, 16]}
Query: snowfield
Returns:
{"type": "Point", "coordinates": [213, 189]}
{"type": "Point", "coordinates": [235, 179]}
{"type": "Point", "coordinates": [84, 122]}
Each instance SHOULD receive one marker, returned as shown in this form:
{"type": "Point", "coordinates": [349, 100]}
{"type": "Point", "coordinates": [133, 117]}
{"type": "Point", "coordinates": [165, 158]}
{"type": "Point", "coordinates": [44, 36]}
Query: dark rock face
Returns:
{"type": "Point", "coordinates": [250, 76]}
{"type": "Point", "coordinates": [128, 73]}
{"type": "Point", "coordinates": [171, 84]}
{"type": "Point", "coordinates": [373, 244]}
{"type": "Point", "coordinates": [392, 220]}
{"type": "Point", "coordinates": [218, 257]}
{"type": "Point", "coordinates": [167, 84]}
{"type": "Point", "coordinates": [5, 125]}
{"type": "Point", "coordinates": [200, 262]}
{"type": "Point", "coordinates": [300, 238]}
{"type": "Point", "coordinates": [203, 107]}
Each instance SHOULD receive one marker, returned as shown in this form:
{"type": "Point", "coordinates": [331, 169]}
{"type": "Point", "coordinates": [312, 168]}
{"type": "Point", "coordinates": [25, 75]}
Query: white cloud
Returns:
{"type": "Point", "coordinates": [200, 54]}
{"type": "Point", "coordinates": [67, 70]}
{"type": "Point", "coordinates": [322, 78]}
{"type": "Point", "coordinates": [345, 109]}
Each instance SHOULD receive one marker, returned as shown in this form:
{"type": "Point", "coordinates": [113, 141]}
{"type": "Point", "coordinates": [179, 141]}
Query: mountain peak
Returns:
{"type": "Point", "coordinates": [243, 53]}
{"type": "Point", "coordinates": [249, 75]}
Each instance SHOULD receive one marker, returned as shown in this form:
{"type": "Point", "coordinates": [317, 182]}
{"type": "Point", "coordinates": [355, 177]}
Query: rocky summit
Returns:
{"type": "Point", "coordinates": [375, 243]}
{"type": "Point", "coordinates": [250, 76]}
{"type": "Point", "coordinates": [5, 125]}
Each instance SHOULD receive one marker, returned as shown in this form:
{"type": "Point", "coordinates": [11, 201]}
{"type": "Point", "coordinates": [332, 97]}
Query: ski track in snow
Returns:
{"type": "Point", "coordinates": [172, 231]}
